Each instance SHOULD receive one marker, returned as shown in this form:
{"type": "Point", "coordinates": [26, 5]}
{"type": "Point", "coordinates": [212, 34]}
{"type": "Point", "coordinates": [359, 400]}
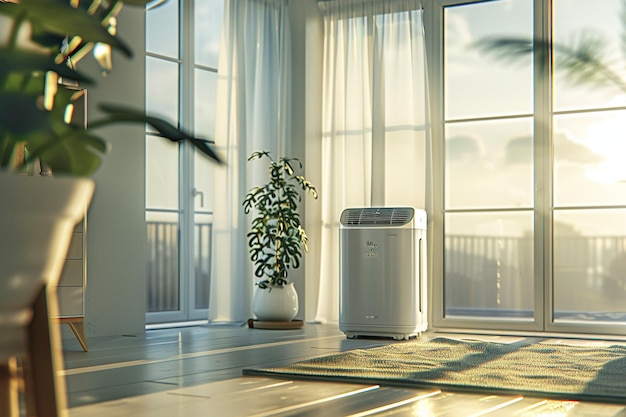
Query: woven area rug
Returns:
{"type": "Point", "coordinates": [558, 371]}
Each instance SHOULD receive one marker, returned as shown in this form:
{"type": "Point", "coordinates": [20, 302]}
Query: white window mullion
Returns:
{"type": "Point", "coordinates": [186, 152]}
{"type": "Point", "coordinates": [543, 163]}
{"type": "Point", "coordinates": [433, 12]}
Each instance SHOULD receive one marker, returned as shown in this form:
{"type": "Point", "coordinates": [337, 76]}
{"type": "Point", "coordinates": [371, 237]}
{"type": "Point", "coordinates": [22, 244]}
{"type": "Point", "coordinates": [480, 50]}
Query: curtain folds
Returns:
{"type": "Point", "coordinates": [253, 113]}
{"type": "Point", "coordinates": [374, 128]}
{"type": "Point", "coordinates": [375, 119]}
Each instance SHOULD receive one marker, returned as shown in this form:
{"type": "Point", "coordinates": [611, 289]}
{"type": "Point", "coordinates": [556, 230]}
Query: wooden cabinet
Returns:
{"type": "Point", "coordinates": [73, 283]}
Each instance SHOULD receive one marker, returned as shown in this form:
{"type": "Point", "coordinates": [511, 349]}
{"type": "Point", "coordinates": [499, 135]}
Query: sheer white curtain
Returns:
{"type": "Point", "coordinates": [253, 113]}
{"type": "Point", "coordinates": [375, 124]}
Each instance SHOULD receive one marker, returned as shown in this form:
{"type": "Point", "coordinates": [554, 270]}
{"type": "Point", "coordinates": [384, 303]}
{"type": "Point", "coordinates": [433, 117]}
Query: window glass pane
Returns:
{"type": "Point", "coordinates": [474, 84]}
{"type": "Point", "coordinates": [204, 103]}
{"type": "Point", "coordinates": [208, 16]}
{"type": "Point", "coordinates": [162, 89]}
{"type": "Point", "coordinates": [489, 164]}
{"type": "Point", "coordinates": [576, 25]}
{"type": "Point", "coordinates": [162, 28]}
{"type": "Point", "coordinates": [590, 265]}
{"type": "Point", "coordinates": [589, 167]}
{"type": "Point", "coordinates": [161, 173]}
{"type": "Point", "coordinates": [489, 265]}
{"type": "Point", "coordinates": [163, 280]}
{"type": "Point", "coordinates": [203, 182]}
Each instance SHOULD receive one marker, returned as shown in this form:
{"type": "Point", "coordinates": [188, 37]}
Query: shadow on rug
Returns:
{"type": "Point", "coordinates": [590, 373]}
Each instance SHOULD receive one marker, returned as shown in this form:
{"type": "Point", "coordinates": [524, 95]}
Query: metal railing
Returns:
{"type": "Point", "coordinates": [481, 272]}
{"type": "Point", "coordinates": [494, 275]}
{"type": "Point", "coordinates": [163, 281]}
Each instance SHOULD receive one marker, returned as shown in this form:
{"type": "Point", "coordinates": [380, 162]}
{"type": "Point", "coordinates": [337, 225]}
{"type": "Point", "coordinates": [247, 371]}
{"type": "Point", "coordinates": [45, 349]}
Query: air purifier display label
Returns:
{"type": "Point", "coordinates": [371, 249]}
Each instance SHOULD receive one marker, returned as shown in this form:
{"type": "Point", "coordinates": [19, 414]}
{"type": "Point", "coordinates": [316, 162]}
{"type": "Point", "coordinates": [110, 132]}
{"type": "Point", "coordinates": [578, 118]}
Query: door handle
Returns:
{"type": "Point", "coordinates": [196, 193]}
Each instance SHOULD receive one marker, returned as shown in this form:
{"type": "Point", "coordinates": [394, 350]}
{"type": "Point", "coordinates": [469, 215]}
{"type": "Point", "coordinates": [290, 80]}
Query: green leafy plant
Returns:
{"type": "Point", "coordinates": [44, 41]}
{"type": "Point", "coordinates": [277, 238]}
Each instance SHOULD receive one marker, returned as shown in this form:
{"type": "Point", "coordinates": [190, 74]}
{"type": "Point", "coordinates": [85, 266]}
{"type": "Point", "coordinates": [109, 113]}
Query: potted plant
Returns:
{"type": "Point", "coordinates": [40, 43]}
{"type": "Point", "coordinates": [277, 238]}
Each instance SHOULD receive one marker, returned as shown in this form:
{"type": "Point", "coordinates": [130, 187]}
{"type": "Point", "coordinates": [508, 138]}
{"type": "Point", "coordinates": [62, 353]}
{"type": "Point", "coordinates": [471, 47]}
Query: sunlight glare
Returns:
{"type": "Point", "coordinates": [608, 139]}
{"type": "Point", "coordinates": [552, 409]}
{"type": "Point", "coordinates": [69, 113]}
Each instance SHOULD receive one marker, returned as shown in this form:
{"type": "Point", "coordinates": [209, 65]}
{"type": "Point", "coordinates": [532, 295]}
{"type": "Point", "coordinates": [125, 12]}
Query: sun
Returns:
{"type": "Point", "coordinates": [607, 138]}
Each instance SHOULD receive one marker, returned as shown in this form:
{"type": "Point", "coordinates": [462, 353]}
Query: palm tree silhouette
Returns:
{"type": "Point", "coordinates": [584, 61]}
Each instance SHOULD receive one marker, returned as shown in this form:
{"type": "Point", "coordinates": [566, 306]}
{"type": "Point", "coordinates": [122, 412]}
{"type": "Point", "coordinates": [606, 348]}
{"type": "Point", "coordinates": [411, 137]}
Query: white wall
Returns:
{"type": "Point", "coordinates": [116, 230]}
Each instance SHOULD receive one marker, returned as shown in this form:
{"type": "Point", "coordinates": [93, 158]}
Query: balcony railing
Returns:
{"type": "Point", "coordinates": [493, 276]}
{"type": "Point", "coordinates": [163, 287]}
{"type": "Point", "coordinates": [482, 273]}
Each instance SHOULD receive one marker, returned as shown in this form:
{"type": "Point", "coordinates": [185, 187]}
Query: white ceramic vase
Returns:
{"type": "Point", "coordinates": [276, 303]}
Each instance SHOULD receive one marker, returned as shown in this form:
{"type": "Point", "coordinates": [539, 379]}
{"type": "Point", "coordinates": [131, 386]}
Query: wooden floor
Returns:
{"type": "Point", "coordinates": [196, 371]}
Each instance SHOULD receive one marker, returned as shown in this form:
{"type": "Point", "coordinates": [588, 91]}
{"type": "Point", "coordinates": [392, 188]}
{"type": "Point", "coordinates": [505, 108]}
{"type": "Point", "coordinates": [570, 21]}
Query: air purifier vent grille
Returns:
{"type": "Point", "coordinates": [377, 216]}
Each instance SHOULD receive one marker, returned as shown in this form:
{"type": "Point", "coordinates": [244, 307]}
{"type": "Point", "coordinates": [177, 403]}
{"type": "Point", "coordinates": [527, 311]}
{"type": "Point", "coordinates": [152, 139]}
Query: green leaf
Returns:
{"type": "Point", "coordinates": [72, 150]}
{"type": "Point", "coordinates": [119, 114]}
{"type": "Point", "coordinates": [258, 155]}
{"type": "Point", "coordinates": [59, 18]}
{"type": "Point", "coordinates": [45, 38]}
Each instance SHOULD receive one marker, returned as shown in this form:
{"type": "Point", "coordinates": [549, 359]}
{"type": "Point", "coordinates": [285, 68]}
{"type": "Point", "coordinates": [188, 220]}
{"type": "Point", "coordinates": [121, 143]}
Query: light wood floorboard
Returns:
{"type": "Point", "coordinates": [196, 371]}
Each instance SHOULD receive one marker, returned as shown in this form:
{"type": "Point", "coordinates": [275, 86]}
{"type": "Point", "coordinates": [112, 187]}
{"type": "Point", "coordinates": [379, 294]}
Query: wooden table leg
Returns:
{"type": "Point", "coordinates": [78, 328]}
{"type": "Point", "coordinates": [9, 389]}
{"type": "Point", "coordinates": [77, 325]}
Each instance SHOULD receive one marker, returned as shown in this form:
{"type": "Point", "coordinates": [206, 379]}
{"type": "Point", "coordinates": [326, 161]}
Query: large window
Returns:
{"type": "Point", "coordinates": [531, 166]}
{"type": "Point", "coordinates": [182, 46]}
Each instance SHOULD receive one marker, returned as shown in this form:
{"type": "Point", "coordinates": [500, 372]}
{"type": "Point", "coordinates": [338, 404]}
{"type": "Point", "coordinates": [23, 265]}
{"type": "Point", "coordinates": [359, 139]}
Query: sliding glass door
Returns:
{"type": "Point", "coordinates": [589, 168]}
{"type": "Point", "coordinates": [529, 171]}
{"type": "Point", "coordinates": [182, 46]}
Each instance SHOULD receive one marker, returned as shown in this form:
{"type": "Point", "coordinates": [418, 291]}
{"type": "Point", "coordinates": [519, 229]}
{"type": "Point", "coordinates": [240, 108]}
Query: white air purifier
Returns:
{"type": "Point", "coordinates": [382, 272]}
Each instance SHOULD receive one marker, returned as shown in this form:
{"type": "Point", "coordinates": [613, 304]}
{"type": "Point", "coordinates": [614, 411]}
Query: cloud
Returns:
{"type": "Point", "coordinates": [463, 148]}
{"type": "Point", "coordinates": [520, 151]}
{"type": "Point", "coordinates": [567, 150]}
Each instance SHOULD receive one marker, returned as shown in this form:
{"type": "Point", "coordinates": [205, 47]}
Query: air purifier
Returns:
{"type": "Point", "coordinates": [382, 272]}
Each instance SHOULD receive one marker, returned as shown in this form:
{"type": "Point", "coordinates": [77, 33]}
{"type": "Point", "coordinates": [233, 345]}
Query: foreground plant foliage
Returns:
{"type": "Point", "coordinates": [43, 42]}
